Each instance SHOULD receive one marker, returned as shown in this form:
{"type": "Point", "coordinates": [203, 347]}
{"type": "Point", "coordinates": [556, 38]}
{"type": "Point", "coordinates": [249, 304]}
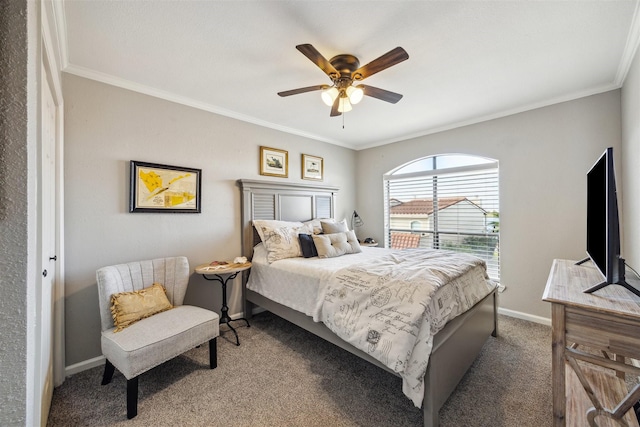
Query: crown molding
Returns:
{"type": "Point", "coordinates": [183, 100]}
{"type": "Point", "coordinates": [630, 48]}
{"type": "Point", "coordinates": [497, 115]}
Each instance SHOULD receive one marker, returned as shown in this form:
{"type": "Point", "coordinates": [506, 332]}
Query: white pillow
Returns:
{"type": "Point", "coordinates": [282, 242]}
{"type": "Point", "coordinates": [331, 226]}
{"type": "Point", "coordinates": [337, 244]}
{"type": "Point", "coordinates": [273, 223]}
{"type": "Point", "coordinates": [315, 225]}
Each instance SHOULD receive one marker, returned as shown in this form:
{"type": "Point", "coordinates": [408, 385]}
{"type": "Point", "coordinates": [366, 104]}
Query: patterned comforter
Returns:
{"type": "Point", "coordinates": [385, 306]}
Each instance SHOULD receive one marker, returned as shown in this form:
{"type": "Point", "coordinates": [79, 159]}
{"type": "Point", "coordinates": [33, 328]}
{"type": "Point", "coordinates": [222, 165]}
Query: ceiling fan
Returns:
{"type": "Point", "coordinates": [344, 70]}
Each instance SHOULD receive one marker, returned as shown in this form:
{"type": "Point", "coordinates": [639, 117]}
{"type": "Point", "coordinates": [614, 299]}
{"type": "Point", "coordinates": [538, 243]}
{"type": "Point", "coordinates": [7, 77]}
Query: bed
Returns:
{"type": "Point", "coordinates": [453, 348]}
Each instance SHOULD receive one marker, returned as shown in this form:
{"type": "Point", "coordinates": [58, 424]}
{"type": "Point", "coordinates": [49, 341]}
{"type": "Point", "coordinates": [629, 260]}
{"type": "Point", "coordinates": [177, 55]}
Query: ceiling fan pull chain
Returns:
{"type": "Point", "coordinates": [343, 120]}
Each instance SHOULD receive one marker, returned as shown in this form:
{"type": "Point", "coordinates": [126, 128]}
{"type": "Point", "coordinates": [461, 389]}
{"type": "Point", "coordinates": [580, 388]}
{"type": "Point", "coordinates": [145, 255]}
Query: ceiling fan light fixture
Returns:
{"type": "Point", "coordinates": [344, 105]}
{"type": "Point", "coordinates": [329, 95]}
{"type": "Point", "coordinates": [355, 94]}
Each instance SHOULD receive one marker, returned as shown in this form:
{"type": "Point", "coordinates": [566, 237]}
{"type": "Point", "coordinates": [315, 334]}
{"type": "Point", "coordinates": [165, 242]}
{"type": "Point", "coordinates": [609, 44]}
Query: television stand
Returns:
{"type": "Point", "coordinates": [621, 283]}
{"type": "Point", "coordinates": [593, 340]}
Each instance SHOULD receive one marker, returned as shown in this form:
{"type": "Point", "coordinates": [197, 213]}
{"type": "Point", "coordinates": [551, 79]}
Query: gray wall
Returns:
{"type": "Point", "coordinates": [105, 128]}
{"type": "Point", "coordinates": [544, 155]}
{"type": "Point", "coordinates": [631, 164]}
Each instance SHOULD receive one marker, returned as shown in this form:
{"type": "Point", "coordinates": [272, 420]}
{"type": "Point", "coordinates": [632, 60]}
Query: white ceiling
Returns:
{"type": "Point", "coordinates": [469, 61]}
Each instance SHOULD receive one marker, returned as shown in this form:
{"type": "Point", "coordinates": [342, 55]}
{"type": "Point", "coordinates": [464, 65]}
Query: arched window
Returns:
{"type": "Point", "coordinates": [445, 202]}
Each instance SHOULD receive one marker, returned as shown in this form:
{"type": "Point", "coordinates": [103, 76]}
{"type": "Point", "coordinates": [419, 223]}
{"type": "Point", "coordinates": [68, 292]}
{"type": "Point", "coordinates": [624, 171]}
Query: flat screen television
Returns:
{"type": "Point", "coordinates": [603, 224]}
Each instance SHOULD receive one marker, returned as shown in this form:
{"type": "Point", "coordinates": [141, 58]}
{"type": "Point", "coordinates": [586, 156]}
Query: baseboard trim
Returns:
{"type": "Point", "coordinates": [83, 366]}
{"type": "Point", "coordinates": [525, 316]}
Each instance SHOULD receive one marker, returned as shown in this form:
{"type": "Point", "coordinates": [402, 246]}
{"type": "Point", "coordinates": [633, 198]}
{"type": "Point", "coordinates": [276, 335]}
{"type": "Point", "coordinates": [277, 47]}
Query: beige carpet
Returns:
{"type": "Point", "coordinates": [282, 375]}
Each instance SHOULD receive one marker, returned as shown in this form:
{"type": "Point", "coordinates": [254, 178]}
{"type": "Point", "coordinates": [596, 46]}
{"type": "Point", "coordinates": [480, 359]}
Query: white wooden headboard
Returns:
{"type": "Point", "coordinates": [281, 201]}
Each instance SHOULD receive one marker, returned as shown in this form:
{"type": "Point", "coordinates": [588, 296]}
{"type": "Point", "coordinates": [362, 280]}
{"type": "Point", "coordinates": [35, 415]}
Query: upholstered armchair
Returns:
{"type": "Point", "coordinates": [152, 340]}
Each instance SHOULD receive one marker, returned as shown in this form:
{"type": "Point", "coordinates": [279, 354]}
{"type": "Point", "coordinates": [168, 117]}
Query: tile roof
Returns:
{"type": "Point", "coordinates": [404, 240]}
{"type": "Point", "coordinates": [424, 206]}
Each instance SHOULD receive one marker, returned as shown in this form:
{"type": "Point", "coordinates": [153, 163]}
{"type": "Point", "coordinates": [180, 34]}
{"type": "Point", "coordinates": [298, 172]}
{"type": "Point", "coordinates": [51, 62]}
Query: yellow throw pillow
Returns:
{"type": "Point", "coordinates": [129, 307]}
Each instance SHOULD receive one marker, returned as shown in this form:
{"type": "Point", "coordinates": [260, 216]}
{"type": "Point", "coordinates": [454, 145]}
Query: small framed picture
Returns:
{"type": "Point", "coordinates": [274, 162]}
{"type": "Point", "coordinates": [312, 167]}
{"type": "Point", "coordinates": [164, 188]}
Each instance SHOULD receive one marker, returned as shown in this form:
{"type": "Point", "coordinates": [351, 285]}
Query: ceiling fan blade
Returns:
{"type": "Point", "coordinates": [317, 58]}
{"type": "Point", "coordinates": [387, 60]}
{"type": "Point", "coordinates": [382, 94]}
{"type": "Point", "coordinates": [334, 107]}
{"type": "Point", "coordinates": [302, 90]}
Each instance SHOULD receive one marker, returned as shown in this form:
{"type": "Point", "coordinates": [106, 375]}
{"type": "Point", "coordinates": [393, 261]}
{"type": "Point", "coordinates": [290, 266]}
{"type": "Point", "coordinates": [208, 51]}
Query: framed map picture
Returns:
{"type": "Point", "coordinates": [312, 167]}
{"type": "Point", "coordinates": [164, 188]}
{"type": "Point", "coordinates": [274, 162]}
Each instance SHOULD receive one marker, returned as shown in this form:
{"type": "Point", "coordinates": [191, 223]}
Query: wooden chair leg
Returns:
{"type": "Point", "coordinates": [108, 372]}
{"type": "Point", "coordinates": [213, 353]}
{"type": "Point", "coordinates": [132, 397]}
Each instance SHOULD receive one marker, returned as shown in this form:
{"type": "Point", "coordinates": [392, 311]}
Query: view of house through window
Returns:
{"type": "Point", "coordinates": [445, 202]}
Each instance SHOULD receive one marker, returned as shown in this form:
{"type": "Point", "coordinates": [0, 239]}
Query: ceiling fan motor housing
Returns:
{"type": "Point", "coordinates": [345, 64]}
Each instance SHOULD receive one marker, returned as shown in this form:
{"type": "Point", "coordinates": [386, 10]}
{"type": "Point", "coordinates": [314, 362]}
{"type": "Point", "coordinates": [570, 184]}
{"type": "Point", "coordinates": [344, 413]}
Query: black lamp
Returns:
{"type": "Point", "coordinates": [356, 221]}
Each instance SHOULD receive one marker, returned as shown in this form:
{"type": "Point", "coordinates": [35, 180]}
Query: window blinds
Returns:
{"type": "Point", "coordinates": [455, 209]}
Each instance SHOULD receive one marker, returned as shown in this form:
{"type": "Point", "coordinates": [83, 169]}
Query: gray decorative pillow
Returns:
{"type": "Point", "coordinates": [332, 227]}
{"type": "Point", "coordinates": [336, 244]}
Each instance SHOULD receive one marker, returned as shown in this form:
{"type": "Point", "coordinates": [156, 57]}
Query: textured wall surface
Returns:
{"type": "Point", "coordinates": [13, 211]}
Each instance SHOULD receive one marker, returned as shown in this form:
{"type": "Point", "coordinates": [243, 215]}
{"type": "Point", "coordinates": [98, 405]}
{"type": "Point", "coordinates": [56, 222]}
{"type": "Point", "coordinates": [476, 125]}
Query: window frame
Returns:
{"type": "Point", "coordinates": [397, 175]}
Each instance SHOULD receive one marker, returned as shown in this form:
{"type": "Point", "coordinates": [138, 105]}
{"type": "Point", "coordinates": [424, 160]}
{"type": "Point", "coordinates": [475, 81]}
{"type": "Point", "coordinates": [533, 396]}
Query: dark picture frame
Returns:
{"type": "Point", "coordinates": [164, 188]}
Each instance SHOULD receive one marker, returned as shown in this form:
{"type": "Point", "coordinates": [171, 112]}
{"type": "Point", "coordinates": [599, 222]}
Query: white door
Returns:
{"type": "Point", "coordinates": [47, 199]}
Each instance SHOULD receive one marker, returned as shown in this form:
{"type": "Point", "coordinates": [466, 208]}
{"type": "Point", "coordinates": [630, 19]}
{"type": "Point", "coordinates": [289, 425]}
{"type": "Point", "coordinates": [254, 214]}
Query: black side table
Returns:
{"type": "Point", "coordinates": [216, 273]}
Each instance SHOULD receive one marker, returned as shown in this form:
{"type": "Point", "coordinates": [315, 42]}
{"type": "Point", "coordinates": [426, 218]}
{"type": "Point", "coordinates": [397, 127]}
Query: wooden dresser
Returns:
{"type": "Point", "coordinates": [596, 334]}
